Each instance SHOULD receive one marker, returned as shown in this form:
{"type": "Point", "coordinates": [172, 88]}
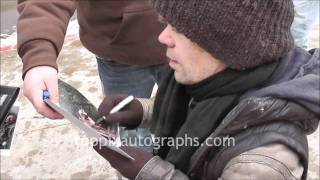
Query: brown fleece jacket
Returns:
{"type": "Point", "coordinates": [121, 30]}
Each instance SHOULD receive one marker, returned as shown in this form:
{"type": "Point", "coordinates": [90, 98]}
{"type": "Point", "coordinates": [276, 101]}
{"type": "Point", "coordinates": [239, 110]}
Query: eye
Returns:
{"type": "Point", "coordinates": [174, 29]}
{"type": "Point", "coordinates": [162, 20]}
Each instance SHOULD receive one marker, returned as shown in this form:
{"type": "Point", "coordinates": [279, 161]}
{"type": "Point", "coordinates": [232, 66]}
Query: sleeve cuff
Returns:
{"type": "Point", "coordinates": [156, 168]}
{"type": "Point", "coordinates": [37, 53]}
{"type": "Point", "coordinates": [147, 106]}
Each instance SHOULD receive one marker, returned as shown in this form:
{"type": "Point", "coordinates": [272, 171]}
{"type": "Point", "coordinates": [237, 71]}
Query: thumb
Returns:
{"type": "Point", "coordinates": [52, 87]}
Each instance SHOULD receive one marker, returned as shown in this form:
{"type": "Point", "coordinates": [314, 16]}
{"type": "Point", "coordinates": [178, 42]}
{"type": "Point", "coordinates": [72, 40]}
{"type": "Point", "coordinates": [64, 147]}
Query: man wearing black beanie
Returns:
{"type": "Point", "coordinates": [238, 102]}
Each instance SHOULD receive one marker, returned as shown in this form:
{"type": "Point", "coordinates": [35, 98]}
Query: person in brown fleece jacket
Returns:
{"type": "Point", "coordinates": [122, 35]}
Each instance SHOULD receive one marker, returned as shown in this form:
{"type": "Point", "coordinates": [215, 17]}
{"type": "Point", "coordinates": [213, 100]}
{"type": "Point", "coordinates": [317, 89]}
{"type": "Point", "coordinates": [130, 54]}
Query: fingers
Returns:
{"type": "Point", "coordinates": [117, 117]}
{"type": "Point", "coordinates": [124, 118]}
{"type": "Point", "coordinates": [105, 107]}
{"type": "Point", "coordinates": [108, 103]}
{"type": "Point", "coordinates": [41, 107]}
{"type": "Point", "coordinates": [105, 152]}
{"type": "Point", "coordinates": [38, 79]}
{"type": "Point", "coordinates": [129, 116]}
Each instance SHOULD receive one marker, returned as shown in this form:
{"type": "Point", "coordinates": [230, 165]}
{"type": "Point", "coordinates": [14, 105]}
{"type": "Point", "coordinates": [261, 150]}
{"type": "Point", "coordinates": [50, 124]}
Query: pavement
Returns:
{"type": "Point", "coordinates": [54, 149]}
{"type": "Point", "coordinates": [9, 16]}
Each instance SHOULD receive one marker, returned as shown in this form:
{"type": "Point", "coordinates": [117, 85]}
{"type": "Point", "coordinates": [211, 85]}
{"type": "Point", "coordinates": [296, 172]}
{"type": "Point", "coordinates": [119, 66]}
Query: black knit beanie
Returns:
{"type": "Point", "coordinates": [241, 33]}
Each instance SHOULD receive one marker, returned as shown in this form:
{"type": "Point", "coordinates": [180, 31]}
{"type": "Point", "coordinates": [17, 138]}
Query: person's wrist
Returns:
{"type": "Point", "coordinates": [130, 116]}
{"type": "Point", "coordinates": [147, 108]}
{"type": "Point", "coordinates": [33, 70]}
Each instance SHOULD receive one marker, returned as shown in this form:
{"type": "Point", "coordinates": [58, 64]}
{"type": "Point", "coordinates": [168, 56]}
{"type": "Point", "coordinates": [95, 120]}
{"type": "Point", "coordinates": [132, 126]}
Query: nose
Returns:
{"type": "Point", "coordinates": [166, 38]}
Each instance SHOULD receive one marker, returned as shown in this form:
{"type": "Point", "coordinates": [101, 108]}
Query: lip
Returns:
{"type": "Point", "coordinates": [172, 63]}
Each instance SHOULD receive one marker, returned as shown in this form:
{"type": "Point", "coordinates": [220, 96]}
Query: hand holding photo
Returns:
{"type": "Point", "coordinates": [83, 114]}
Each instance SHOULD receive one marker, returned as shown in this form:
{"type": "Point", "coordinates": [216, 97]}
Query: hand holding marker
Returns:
{"type": "Point", "coordinates": [118, 107]}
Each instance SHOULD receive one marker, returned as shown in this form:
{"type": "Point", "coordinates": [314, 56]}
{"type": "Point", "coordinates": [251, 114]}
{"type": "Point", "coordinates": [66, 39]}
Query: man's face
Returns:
{"type": "Point", "coordinates": [191, 64]}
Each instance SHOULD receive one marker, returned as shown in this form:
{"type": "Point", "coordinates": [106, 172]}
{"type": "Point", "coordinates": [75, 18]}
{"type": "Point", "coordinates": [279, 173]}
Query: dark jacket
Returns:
{"type": "Point", "coordinates": [124, 31]}
{"type": "Point", "coordinates": [279, 114]}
